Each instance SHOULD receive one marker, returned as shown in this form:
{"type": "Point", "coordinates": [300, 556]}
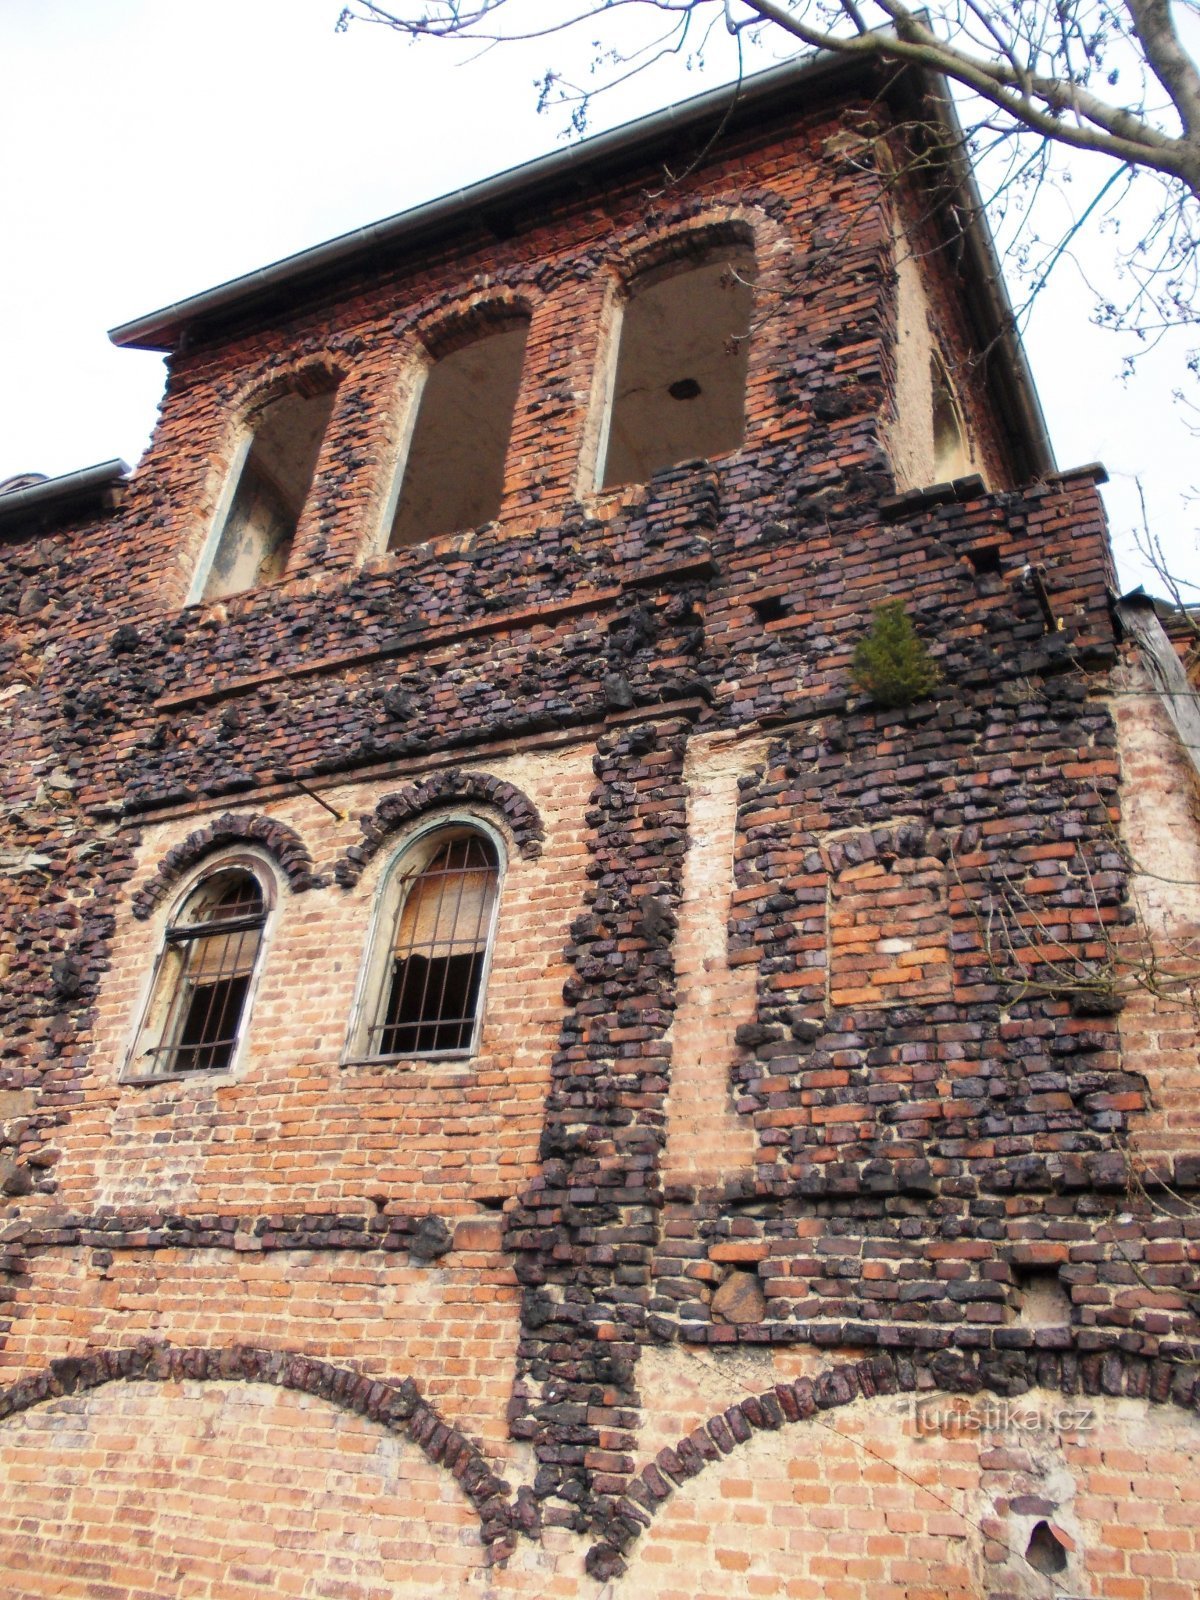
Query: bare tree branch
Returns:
{"type": "Point", "coordinates": [1051, 95]}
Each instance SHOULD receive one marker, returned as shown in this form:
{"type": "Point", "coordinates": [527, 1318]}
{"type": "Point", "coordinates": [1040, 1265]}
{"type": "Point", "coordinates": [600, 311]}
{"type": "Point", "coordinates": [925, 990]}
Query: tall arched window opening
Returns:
{"type": "Point", "coordinates": [679, 387]}
{"type": "Point", "coordinates": [198, 1002]}
{"type": "Point", "coordinates": [428, 970]}
{"type": "Point", "coordinates": [454, 466]}
{"type": "Point", "coordinates": [273, 475]}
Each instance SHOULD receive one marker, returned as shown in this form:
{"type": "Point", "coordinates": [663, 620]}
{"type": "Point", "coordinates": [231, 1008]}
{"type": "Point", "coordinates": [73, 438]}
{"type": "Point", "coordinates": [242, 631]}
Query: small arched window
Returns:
{"type": "Point", "coordinates": [198, 1001]}
{"type": "Point", "coordinates": [427, 969]}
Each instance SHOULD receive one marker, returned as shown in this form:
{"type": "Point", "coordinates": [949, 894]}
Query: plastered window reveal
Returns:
{"type": "Point", "coordinates": [951, 450]}
{"type": "Point", "coordinates": [927, 438]}
{"type": "Point", "coordinates": [1161, 826]}
{"type": "Point", "coordinates": [453, 473]}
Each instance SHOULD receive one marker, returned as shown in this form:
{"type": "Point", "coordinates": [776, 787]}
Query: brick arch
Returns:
{"type": "Point", "coordinates": [699, 227]}
{"type": "Point", "coordinates": [310, 374]}
{"type": "Point", "coordinates": [442, 324]}
{"type": "Point", "coordinates": [1112, 1373]}
{"type": "Point", "coordinates": [396, 810]}
{"type": "Point", "coordinates": [283, 844]}
{"type": "Point", "coordinates": [398, 1407]}
{"type": "Point", "coordinates": [698, 237]}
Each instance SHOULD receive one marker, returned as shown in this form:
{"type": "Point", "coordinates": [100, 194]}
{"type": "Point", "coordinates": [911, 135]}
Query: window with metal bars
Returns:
{"type": "Point", "coordinates": [430, 974]}
{"type": "Point", "coordinates": [198, 1001]}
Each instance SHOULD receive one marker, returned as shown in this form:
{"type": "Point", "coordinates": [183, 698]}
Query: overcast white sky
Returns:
{"type": "Point", "coordinates": [154, 148]}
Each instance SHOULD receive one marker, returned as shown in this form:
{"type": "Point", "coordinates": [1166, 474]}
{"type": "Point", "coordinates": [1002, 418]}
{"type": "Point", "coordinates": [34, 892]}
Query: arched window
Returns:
{"type": "Point", "coordinates": [453, 476]}
{"type": "Point", "coordinates": [679, 384]}
{"type": "Point", "coordinates": [427, 969]}
{"type": "Point", "coordinates": [198, 1001]}
{"type": "Point", "coordinates": [272, 474]}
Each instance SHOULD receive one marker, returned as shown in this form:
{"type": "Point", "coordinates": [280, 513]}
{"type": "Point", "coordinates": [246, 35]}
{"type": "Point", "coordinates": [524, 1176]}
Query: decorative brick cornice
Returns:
{"type": "Point", "coordinates": [395, 811]}
{"type": "Point", "coordinates": [396, 1405]}
{"type": "Point", "coordinates": [281, 843]}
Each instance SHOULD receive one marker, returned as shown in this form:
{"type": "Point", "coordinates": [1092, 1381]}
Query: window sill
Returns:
{"type": "Point", "coordinates": [147, 1081]}
{"type": "Point", "coordinates": [444, 1058]}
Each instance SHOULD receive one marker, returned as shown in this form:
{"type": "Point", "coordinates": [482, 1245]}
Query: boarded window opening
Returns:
{"type": "Point", "coordinates": [277, 472]}
{"type": "Point", "coordinates": [194, 1018]}
{"type": "Point", "coordinates": [680, 386]}
{"type": "Point", "coordinates": [454, 472]}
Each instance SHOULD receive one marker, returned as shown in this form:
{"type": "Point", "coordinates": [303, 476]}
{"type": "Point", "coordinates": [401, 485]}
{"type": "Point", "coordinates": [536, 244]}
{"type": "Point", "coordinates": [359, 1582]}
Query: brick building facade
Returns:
{"type": "Point", "coordinates": [517, 1075]}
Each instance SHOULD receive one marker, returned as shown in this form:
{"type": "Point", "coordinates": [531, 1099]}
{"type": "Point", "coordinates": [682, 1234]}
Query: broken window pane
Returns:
{"type": "Point", "coordinates": [454, 470]}
{"type": "Point", "coordinates": [680, 385]}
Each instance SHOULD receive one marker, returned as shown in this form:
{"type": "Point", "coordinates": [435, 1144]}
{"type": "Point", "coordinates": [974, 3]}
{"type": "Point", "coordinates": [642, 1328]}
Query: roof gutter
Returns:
{"type": "Point", "coordinates": [162, 330]}
{"type": "Point", "coordinates": [1009, 376]}
{"type": "Point", "coordinates": [51, 499]}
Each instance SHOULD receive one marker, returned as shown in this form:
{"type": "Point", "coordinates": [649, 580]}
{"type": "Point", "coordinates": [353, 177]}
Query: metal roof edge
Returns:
{"type": "Point", "coordinates": [57, 493]}
{"type": "Point", "coordinates": [160, 330]}
{"type": "Point", "coordinates": [1028, 435]}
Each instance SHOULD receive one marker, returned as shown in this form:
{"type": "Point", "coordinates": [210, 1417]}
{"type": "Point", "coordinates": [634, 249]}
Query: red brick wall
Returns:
{"type": "Point", "coordinates": [229, 1490]}
{"type": "Point", "coordinates": [792, 1046]}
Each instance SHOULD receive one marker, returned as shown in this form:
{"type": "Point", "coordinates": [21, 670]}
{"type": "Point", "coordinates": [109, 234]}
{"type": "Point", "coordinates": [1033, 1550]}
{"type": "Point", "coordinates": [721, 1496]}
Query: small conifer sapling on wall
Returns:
{"type": "Point", "coordinates": [891, 663]}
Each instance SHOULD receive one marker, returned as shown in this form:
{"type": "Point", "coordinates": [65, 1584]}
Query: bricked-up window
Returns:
{"type": "Point", "coordinates": [679, 387]}
{"type": "Point", "coordinates": [199, 997]}
{"type": "Point", "coordinates": [272, 476]}
{"type": "Point", "coordinates": [428, 974]}
{"type": "Point", "coordinates": [453, 477]}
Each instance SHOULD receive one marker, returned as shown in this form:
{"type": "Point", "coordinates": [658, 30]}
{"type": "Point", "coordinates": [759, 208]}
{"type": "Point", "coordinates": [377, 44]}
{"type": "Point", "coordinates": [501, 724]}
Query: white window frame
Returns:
{"type": "Point", "coordinates": [377, 951]}
{"type": "Point", "coordinates": [260, 866]}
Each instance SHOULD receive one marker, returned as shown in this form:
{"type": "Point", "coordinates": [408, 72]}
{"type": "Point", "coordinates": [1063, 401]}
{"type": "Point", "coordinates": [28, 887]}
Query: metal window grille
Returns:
{"type": "Point", "coordinates": [209, 961]}
{"type": "Point", "coordinates": [430, 999]}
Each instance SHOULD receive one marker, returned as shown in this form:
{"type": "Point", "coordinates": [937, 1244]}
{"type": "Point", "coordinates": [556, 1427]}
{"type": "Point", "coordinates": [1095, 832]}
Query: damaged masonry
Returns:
{"type": "Point", "coordinates": [515, 1067]}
